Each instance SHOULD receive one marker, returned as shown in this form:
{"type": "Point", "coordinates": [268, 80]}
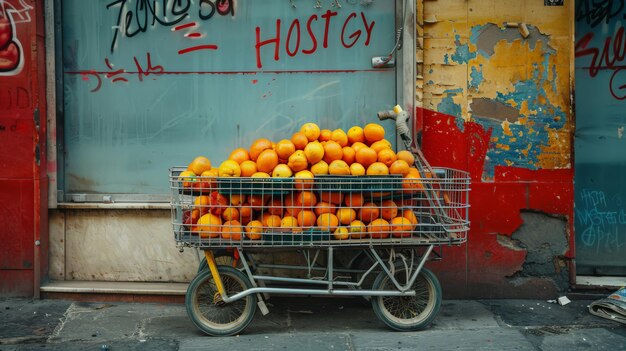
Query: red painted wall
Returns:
{"type": "Point", "coordinates": [23, 192]}
{"type": "Point", "coordinates": [483, 266]}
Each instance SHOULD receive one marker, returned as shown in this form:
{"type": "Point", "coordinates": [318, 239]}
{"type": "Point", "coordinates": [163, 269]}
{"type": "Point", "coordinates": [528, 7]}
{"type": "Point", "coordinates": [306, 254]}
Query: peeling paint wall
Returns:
{"type": "Point", "coordinates": [496, 102]}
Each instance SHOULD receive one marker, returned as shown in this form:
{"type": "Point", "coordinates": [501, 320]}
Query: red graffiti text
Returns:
{"type": "Point", "coordinates": [316, 29]}
{"type": "Point", "coordinates": [610, 57]}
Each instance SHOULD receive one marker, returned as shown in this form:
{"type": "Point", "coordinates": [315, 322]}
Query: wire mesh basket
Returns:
{"type": "Point", "coordinates": [211, 212]}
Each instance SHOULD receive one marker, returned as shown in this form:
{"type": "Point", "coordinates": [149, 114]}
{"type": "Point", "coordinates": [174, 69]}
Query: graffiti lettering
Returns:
{"type": "Point", "coordinates": [11, 53]}
{"type": "Point", "coordinates": [293, 37]}
{"type": "Point", "coordinates": [14, 98]}
{"type": "Point", "coordinates": [594, 12]}
{"type": "Point", "coordinates": [610, 58]}
{"type": "Point", "coordinates": [603, 219]}
{"type": "Point", "coordinates": [137, 16]}
{"type": "Point", "coordinates": [600, 238]}
{"type": "Point", "coordinates": [120, 75]}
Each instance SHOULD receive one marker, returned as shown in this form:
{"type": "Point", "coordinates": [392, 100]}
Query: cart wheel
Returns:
{"type": "Point", "coordinates": [408, 313]}
{"type": "Point", "coordinates": [209, 313]}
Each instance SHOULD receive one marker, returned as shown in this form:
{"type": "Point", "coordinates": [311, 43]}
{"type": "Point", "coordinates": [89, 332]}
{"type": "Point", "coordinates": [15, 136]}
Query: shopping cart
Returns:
{"type": "Point", "coordinates": [366, 236]}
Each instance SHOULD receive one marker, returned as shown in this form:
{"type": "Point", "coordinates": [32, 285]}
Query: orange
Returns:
{"type": "Point", "coordinates": [332, 197]}
{"type": "Point", "coordinates": [412, 182]}
{"type": "Point", "coordinates": [291, 208]}
{"type": "Point", "coordinates": [229, 168]}
{"type": "Point", "coordinates": [325, 135]}
{"type": "Point", "coordinates": [254, 230]}
{"type": "Point", "coordinates": [357, 229]}
{"type": "Point", "coordinates": [306, 199]}
{"type": "Point", "coordinates": [389, 210]}
{"type": "Point", "coordinates": [349, 155]}
{"type": "Point", "coordinates": [248, 168]}
{"type": "Point", "coordinates": [379, 229]}
{"type": "Point", "coordinates": [260, 175]}
{"type": "Point", "coordinates": [267, 160]}
{"type": "Point", "coordinates": [369, 212]}
{"type": "Point", "coordinates": [207, 180]}
{"type": "Point", "coordinates": [358, 146]}
{"type": "Point", "coordinates": [401, 227]}
{"type": "Point", "coordinates": [340, 137]}
{"type": "Point", "coordinates": [357, 169]}
{"type": "Point", "coordinates": [209, 226]}
{"type": "Point", "coordinates": [339, 167]}
{"type": "Point", "coordinates": [199, 165]}
{"type": "Point", "coordinates": [314, 152]}
{"type": "Point", "coordinates": [355, 134]}
{"type": "Point", "coordinates": [230, 214]}
{"type": "Point", "coordinates": [299, 140]}
{"type": "Point", "coordinates": [381, 145]}
{"type": "Point", "coordinates": [354, 200]}
{"type": "Point", "coordinates": [271, 221]}
{"type": "Point", "coordinates": [259, 146]}
{"type": "Point", "coordinates": [406, 156]}
{"type": "Point", "coordinates": [201, 203]}
{"type": "Point", "coordinates": [289, 222]}
{"type": "Point", "coordinates": [324, 207]}
{"type": "Point", "coordinates": [284, 149]}
{"type": "Point", "coordinates": [408, 214]}
{"type": "Point", "coordinates": [341, 233]}
{"type": "Point", "coordinates": [298, 161]}
{"type": "Point", "coordinates": [257, 201]}
{"type": "Point", "coordinates": [237, 199]}
{"type": "Point", "coordinates": [332, 151]}
{"type": "Point", "coordinates": [327, 221]}
{"type": "Point", "coordinates": [232, 230]}
{"type": "Point", "coordinates": [387, 156]}
{"type": "Point", "coordinates": [377, 168]}
{"type": "Point", "coordinates": [188, 178]}
{"type": "Point", "coordinates": [245, 211]}
{"type": "Point", "coordinates": [346, 215]}
{"type": "Point", "coordinates": [373, 132]}
{"type": "Point", "coordinates": [306, 218]}
{"type": "Point", "coordinates": [320, 168]}
{"type": "Point", "coordinates": [366, 156]}
{"type": "Point", "coordinates": [275, 206]}
{"type": "Point", "coordinates": [282, 171]}
{"type": "Point", "coordinates": [304, 180]}
{"type": "Point", "coordinates": [311, 131]}
{"type": "Point", "coordinates": [239, 155]}
{"type": "Point", "coordinates": [399, 167]}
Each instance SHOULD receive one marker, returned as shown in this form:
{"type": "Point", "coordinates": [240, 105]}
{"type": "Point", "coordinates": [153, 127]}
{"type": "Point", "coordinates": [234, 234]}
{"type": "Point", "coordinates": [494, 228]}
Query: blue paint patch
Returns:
{"type": "Point", "coordinates": [462, 54]}
{"type": "Point", "coordinates": [449, 107]}
{"type": "Point", "coordinates": [430, 71]}
{"type": "Point", "coordinates": [543, 116]}
{"type": "Point", "coordinates": [430, 82]}
{"type": "Point", "coordinates": [476, 77]}
{"type": "Point", "coordinates": [446, 59]}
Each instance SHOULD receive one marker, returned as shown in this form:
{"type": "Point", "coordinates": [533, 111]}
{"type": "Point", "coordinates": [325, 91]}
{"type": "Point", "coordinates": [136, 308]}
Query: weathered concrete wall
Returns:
{"type": "Point", "coordinates": [496, 102]}
{"type": "Point", "coordinates": [117, 245]}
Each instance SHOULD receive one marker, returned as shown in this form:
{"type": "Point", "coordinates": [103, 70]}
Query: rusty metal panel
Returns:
{"type": "Point", "coordinates": [17, 223]}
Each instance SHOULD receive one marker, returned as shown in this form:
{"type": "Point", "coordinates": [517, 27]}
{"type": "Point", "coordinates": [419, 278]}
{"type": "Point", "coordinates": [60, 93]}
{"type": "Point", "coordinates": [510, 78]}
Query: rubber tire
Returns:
{"type": "Point", "coordinates": [430, 312]}
{"type": "Point", "coordinates": [198, 319]}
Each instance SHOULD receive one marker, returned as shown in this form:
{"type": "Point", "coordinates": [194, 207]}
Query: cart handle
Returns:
{"type": "Point", "coordinates": [402, 127]}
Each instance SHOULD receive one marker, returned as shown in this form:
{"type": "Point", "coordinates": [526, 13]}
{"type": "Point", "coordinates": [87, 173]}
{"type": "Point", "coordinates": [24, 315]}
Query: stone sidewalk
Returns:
{"type": "Point", "coordinates": [306, 323]}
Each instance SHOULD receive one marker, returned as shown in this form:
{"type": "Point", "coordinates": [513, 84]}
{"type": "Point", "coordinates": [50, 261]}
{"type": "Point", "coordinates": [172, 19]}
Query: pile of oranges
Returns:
{"type": "Point", "coordinates": [309, 152]}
